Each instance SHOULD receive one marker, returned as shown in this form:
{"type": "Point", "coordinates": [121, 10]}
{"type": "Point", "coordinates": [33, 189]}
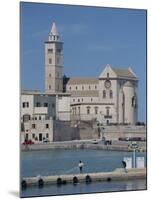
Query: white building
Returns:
{"type": "Point", "coordinates": [38, 110]}
{"type": "Point", "coordinates": [109, 98]}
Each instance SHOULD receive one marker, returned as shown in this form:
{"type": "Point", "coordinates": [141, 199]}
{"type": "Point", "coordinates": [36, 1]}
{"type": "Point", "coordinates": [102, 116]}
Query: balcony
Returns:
{"type": "Point", "coordinates": [41, 110]}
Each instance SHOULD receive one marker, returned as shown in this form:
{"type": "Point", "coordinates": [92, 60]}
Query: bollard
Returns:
{"type": "Point", "coordinates": [59, 181]}
{"type": "Point", "coordinates": [75, 180]}
{"type": "Point", "coordinates": [24, 184]}
{"type": "Point", "coordinates": [109, 179]}
{"type": "Point", "coordinates": [88, 179]}
{"type": "Point", "coordinates": [40, 182]}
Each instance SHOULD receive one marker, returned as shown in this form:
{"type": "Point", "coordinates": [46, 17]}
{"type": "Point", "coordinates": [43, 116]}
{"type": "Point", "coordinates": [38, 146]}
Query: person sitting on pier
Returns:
{"type": "Point", "coordinates": [80, 165]}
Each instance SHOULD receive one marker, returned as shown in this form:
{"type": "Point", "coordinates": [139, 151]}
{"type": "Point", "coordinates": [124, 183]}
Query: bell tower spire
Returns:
{"type": "Point", "coordinates": [53, 35]}
{"type": "Point", "coordinates": [53, 62]}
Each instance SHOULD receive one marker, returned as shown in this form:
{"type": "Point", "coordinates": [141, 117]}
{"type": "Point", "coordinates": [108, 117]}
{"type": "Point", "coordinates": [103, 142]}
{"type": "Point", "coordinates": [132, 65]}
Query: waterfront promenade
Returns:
{"type": "Point", "coordinates": [85, 144]}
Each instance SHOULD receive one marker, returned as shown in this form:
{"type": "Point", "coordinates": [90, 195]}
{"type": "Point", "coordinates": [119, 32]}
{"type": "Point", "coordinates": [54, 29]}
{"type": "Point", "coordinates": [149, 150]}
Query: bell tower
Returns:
{"type": "Point", "coordinates": [53, 62]}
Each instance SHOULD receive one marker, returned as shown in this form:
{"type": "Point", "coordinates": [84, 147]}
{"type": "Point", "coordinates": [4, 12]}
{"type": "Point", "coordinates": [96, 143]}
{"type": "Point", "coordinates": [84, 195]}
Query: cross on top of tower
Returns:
{"type": "Point", "coordinates": [53, 35]}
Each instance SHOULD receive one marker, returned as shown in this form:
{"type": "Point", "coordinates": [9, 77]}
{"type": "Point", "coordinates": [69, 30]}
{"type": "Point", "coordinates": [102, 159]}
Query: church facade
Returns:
{"type": "Point", "coordinates": [112, 97]}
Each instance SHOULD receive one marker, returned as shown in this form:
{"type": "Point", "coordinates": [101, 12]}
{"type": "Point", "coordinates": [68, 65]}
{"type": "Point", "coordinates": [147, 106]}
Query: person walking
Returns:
{"type": "Point", "coordinates": [80, 165]}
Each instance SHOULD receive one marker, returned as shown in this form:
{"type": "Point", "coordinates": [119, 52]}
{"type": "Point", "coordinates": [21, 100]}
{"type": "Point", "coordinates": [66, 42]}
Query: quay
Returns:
{"type": "Point", "coordinates": [116, 175]}
{"type": "Point", "coordinates": [83, 144]}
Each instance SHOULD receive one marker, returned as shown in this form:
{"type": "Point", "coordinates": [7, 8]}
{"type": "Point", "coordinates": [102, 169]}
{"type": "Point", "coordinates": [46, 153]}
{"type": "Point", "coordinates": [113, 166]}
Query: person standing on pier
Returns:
{"type": "Point", "coordinates": [80, 165]}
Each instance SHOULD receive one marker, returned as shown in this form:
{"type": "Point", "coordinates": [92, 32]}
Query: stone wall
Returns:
{"type": "Point", "coordinates": [63, 131]}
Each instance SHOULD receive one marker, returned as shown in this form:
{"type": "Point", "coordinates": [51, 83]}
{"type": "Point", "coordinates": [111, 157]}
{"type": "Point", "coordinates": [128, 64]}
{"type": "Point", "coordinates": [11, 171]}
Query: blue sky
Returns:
{"type": "Point", "coordinates": [93, 37]}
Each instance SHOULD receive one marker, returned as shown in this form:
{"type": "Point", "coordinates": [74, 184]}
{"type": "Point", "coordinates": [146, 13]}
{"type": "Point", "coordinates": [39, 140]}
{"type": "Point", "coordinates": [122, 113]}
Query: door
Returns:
{"type": "Point", "coordinates": [40, 136]}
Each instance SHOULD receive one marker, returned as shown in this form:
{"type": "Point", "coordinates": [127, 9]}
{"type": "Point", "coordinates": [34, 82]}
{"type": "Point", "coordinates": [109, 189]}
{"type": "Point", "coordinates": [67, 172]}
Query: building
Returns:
{"type": "Point", "coordinates": [38, 111]}
{"type": "Point", "coordinates": [110, 98]}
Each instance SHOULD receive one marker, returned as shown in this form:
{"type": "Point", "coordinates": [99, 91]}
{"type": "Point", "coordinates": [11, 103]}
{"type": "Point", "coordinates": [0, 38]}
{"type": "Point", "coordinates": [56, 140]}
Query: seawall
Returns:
{"type": "Point", "coordinates": [118, 174]}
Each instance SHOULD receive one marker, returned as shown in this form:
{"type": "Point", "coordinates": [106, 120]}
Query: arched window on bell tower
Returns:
{"type": "Point", "coordinates": [111, 94]}
{"type": "Point", "coordinates": [104, 94]}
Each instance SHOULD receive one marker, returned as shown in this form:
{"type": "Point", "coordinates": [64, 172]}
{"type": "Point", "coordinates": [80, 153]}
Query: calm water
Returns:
{"type": "Point", "coordinates": [55, 162]}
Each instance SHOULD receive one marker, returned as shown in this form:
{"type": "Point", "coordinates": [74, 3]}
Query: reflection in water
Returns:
{"type": "Point", "coordinates": [85, 188]}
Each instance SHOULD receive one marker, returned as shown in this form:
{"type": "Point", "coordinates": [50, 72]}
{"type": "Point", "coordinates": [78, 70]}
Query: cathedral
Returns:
{"type": "Point", "coordinates": [109, 98]}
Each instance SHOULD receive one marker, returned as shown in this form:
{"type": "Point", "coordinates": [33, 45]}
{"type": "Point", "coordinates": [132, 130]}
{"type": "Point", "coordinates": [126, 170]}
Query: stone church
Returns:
{"type": "Point", "coordinates": [109, 98]}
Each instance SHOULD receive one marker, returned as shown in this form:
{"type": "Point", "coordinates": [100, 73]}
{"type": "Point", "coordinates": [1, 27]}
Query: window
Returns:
{"type": "Point", "coordinates": [47, 125]}
{"type": "Point", "coordinates": [26, 136]}
{"type": "Point", "coordinates": [33, 125]}
{"type": "Point", "coordinates": [107, 75]}
{"type": "Point", "coordinates": [82, 99]}
{"type": "Point", "coordinates": [58, 50]}
{"type": "Point", "coordinates": [53, 105]}
{"type": "Point", "coordinates": [49, 75]}
{"type": "Point", "coordinates": [76, 87]}
{"type": "Point", "coordinates": [104, 94]}
{"type": "Point", "coordinates": [91, 99]}
{"type": "Point", "coordinates": [89, 87]}
{"type": "Point", "coordinates": [134, 104]}
{"type": "Point", "coordinates": [47, 135]}
{"type": "Point", "coordinates": [38, 104]}
{"type": "Point", "coordinates": [111, 94]}
{"type": "Point", "coordinates": [50, 50]}
{"type": "Point", "coordinates": [70, 88]}
{"type": "Point", "coordinates": [49, 87]}
{"type": "Point", "coordinates": [75, 110]}
{"type": "Point", "coordinates": [96, 110]}
{"type": "Point", "coordinates": [33, 135]}
{"type": "Point", "coordinates": [35, 118]}
{"type": "Point", "coordinates": [45, 104]}
{"type": "Point", "coordinates": [107, 111]}
{"type": "Point", "coordinates": [73, 100]}
{"type": "Point", "coordinates": [26, 118]}
{"type": "Point", "coordinates": [50, 61]}
{"type": "Point", "coordinates": [88, 110]}
{"type": "Point", "coordinates": [39, 117]}
{"type": "Point", "coordinates": [79, 110]}
{"type": "Point", "coordinates": [78, 100]}
{"type": "Point", "coordinates": [82, 87]}
{"type": "Point", "coordinates": [95, 87]}
{"type": "Point", "coordinates": [40, 136]}
{"type": "Point", "coordinates": [25, 104]}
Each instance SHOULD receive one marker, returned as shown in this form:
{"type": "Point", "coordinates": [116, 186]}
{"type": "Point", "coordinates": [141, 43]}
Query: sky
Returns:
{"type": "Point", "coordinates": [93, 37]}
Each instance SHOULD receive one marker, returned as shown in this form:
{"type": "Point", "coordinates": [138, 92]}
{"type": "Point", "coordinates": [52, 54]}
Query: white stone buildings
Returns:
{"type": "Point", "coordinates": [109, 98]}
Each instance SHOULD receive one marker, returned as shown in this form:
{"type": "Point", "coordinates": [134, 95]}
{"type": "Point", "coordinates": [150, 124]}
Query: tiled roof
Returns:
{"type": "Point", "coordinates": [124, 73]}
{"type": "Point", "coordinates": [80, 80]}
